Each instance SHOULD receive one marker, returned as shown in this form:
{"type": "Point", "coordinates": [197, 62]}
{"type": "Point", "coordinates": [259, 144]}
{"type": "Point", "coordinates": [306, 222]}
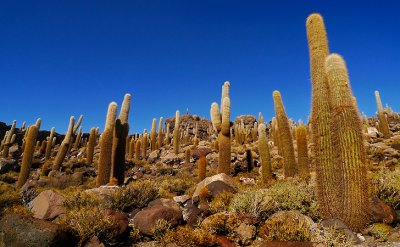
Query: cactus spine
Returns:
{"type": "Point", "coordinates": [153, 135]}
{"type": "Point", "coordinates": [202, 167]}
{"type": "Point", "coordinates": [160, 136]}
{"type": "Point", "coordinates": [8, 140]}
{"type": "Point", "coordinates": [176, 133]}
{"type": "Point", "coordinates": [350, 152]}
{"type": "Point", "coordinates": [62, 151]}
{"type": "Point", "coordinates": [289, 160]}
{"type": "Point", "coordinates": [121, 130]}
{"type": "Point", "coordinates": [106, 142]}
{"type": "Point", "coordinates": [90, 146]}
{"type": "Point", "coordinates": [137, 149]}
{"type": "Point", "coordinates": [27, 155]}
{"type": "Point", "coordinates": [383, 123]}
{"type": "Point", "coordinates": [263, 149]}
{"type": "Point", "coordinates": [49, 144]}
{"type": "Point", "coordinates": [302, 150]}
{"type": "Point", "coordinates": [327, 184]}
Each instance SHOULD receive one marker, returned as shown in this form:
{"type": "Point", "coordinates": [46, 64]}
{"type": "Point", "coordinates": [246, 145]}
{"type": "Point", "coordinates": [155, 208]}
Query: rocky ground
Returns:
{"type": "Point", "coordinates": [164, 203]}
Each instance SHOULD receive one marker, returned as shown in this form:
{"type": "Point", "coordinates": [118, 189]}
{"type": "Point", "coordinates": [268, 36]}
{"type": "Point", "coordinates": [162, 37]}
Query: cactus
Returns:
{"type": "Point", "coordinates": [145, 144]}
{"type": "Point", "coordinates": [176, 133]}
{"type": "Point", "coordinates": [153, 135]}
{"type": "Point", "coordinates": [275, 135]}
{"type": "Point", "coordinates": [168, 136]}
{"type": "Point", "coordinates": [349, 149]}
{"type": "Point", "coordinates": [49, 144]}
{"type": "Point", "coordinates": [42, 148]}
{"type": "Point", "coordinates": [121, 130]}
{"type": "Point", "coordinates": [263, 149]}
{"type": "Point", "coordinates": [327, 184]}
{"type": "Point", "coordinates": [63, 149]}
{"type": "Point", "coordinates": [131, 148]}
{"type": "Point", "coordinates": [90, 146]}
{"type": "Point", "coordinates": [160, 136]}
{"type": "Point", "coordinates": [202, 167]}
{"type": "Point", "coordinates": [302, 150]}
{"type": "Point", "coordinates": [289, 160]}
{"type": "Point", "coordinates": [187, 156]}
{"type": "Point", "coordinates": [78, 139]}
{"type": "Point", "coordinates": [383, 123]}
{"type": "Point", "coordinates": [27, 156]}
{"type": "Point", "coordinates": [106, 143]}
{"type": "Point", "coordinates": [38, 123]}
{"type": "Point", "coordinates": [8, 140]}
{"type": "Point", "coordinates": [137, 149]}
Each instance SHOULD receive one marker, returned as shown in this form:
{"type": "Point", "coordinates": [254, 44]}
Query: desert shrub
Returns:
{"type": "Point", "coordinates": [176, 185]}
{"type": "Point", "coordinates": [188, 237]}
{"type": "Point", "coordinates": [80, 200]}
{"type": "Point", "coordinates": [8, 197]}
{"type": "Point", "coordinates": [221, 223]}
{"type": "Point", "coordinates": [248, 202]}
{"type": "Point", "coordinates": [18, 209]}
{"type": "Point", "coordinates": [86, 222]}
{"type": "Point", "coordinates": [221, 202]}
{"type": "Point", "coordinates": [380, 231]}
{"type": "Point", "coordinates": [329, 236]}
{"type": "Point", "coordinates": [135, 235]}
{"type": "Point", "coordinates": [135, 195]}
{"type": "Point", "coordinates": [287, 226]}
{"type": "Point", "coordinates": [388, 188]}
{"type": "Point", "coordinates": [161, 228]}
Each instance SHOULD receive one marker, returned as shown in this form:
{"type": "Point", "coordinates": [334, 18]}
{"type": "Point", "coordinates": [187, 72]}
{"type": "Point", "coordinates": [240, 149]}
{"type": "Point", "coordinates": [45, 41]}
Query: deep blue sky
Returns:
{"type": "Point", "coordinates": [63, 58]}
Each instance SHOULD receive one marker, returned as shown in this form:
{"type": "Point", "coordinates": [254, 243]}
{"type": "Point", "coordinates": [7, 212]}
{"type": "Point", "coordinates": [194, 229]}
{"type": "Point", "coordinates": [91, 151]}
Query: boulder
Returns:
{"type": "Point", "coordinates": [20, 231]}
{"type": "Point", "coordinates": [216, 184]}
{"type": "Point", "coordinates": [7, 165]}
{"type": "Point", "coordinates": [121, 218]}
{"type": "Point", "coordinates": [341, 227]}
{"type": "Point", "coordinates": [146, 219]}
{"type": "Point", "coordinates": [15, 151]}
{"type": "Point", "coordinates": [381, 212]}
{"type": "Point", "coordinates": [197, 153]}
{"type": "Point", "coordinates": [153, 156]}
{"type": "Point", "coordinates": [94, 242]}
{"type": "Point", "coordinates": [47, 205]}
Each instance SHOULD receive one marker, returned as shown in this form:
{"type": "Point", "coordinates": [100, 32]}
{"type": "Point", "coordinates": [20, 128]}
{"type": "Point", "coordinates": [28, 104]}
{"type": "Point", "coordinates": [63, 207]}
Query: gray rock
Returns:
{"type": "Point", "coordinates": [7, 165]}
{"type": "Point", "coordinates": [47, 205]}
{"type": "Point", "coordinates": [216, 184]}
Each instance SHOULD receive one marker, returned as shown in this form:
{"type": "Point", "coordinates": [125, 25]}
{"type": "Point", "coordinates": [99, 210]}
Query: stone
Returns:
{"type": "Point", "coordinates": [341, 227]}
{"type": "Point", "coordinates": [276, 243]}
{"type": "Point", "coordinates": [381, 212]}
{"type": "Point", "coordinates": [121, 218]}
{"type": "Point", "coordinates": [164, 202]}
{"type": "Point", "coordinates": [216, 184]}
{"type": "Point", "coordinates": [191, 213]}
{"type": "Point", "coordinates": [20, 231]}
{"type": "Point", "coordinates": [15, 151]}
{"type": "Point", "coordinates": [94, 242]}
{"type": "Point", "coordinates": [181, 199]}
{"type": "Point", "coordinates": [47, 205]}
{"type": "Point", "coordinates": [153, 156]}
{"type": "Point", "coordinates": [245, 233]}
{"type": "Point", "coordinates": [7, 165]}
{"type": "Point", "coordinates": [224, 242]}
{"type": "Point", "coordinates": [199, 152]}
{"type": "Point", "coordinates": [146, 219]}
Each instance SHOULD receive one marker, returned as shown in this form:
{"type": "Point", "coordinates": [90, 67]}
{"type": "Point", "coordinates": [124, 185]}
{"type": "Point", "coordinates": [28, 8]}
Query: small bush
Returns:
{"type": "Point", "coordinates": [81, 199]}
{"type": "Point", "coordinates": [188, 237]}
{"type": "Point", "coordinates": [221, 202]}
{"type": "Point", "coordinates": [248, 202]}
{"type": "Point", "coordinates": [8, 197]}
{"type": "Point", "coordinates": [221, 223]}
{"type": "Point", "coordinates": [329, 236]}
{"type": "Point", "coordinates": [380, 231]}
{"type": "Point", "coordinates": [176, 185]}
{"type": "Point", "coordinates": [161, 228]}
{"type": "Point", "coordinates": [86, 222]}
{"type": "Point", "coordinates": [388, 188]}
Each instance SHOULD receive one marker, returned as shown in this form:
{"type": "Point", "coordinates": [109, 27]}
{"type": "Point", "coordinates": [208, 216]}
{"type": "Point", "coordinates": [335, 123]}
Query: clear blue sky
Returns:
{"type": "Point", "coordinates": [63, 58]}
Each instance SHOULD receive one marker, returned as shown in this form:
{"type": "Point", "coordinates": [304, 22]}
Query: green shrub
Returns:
{"type": "Point", "coordinates": [8, 197]}
{"type": "Point", "coordinates": [388, 188]}
{"type": "Point", "coordinates": [221, 202]}
{"type": "Point", "coordinates": [329, 236]}
{"type": "Point", "coordinates": [161, 228]}
{"type": "Point", "coordinates": [380, 231]}
{"type": "Point", "coordinates": [248, 202]}
{"type": "Point", "coordinates": [185, 236]}
{"type": "Point", "coordinates": [176, 185]}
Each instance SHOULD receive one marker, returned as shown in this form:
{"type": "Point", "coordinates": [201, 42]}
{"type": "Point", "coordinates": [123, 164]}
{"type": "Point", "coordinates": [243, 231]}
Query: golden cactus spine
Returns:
{"type": "Point", "coordinates": [73, 134]}
{"type": "Point", "coordinates": [121, 130]}
{"type": "Point", "coordinates": [62, 151]}
{"type": "Point", "coordinates": [78, 139]}
{"type": "Point", "coordinates": [187, 156]}
{"type": "Point", "coordinates": [202, 167]}
{"type": "Point", "coordinates": [106, 142]}
{"type": "Point", "coordinates": [289, 160]}
{"type": "Point", "coordinates": [145, 144]}
{"type": "Point", "coordinates": [90, 146]}
{"type": "Point", "coordinates": [383, 122]}
{"type": "Point", "coordinates": [8, 140]}
{"type": "Point", "coordinates": [168, 136]}
{"type": "Point", "coordinates": [263, 149]}
{"type": "Point", "coordinates": [176, 133]}
{"type": "Point", "coordinates": [27, 155]}
{"type": "Point", "coordinates": [49, 144]}
{"type": "Point", "coordinates": [321, 135]}
{"type": "Point", "coordinates": [160, 136]}
{"type": "Point", "coordinates": [153, 135]}
{"type": "Point", "coordinates": [137, 149]}
{"type": "Point", "coordinates": [131, 149]}
{"type": "Point", "coordinates": [349, 149]}
{"type": "Point", "coordinates": [302, 150]}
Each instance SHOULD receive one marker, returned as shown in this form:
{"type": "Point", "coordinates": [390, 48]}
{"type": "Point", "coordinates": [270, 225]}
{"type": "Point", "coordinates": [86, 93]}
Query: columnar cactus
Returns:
{"type": "Point", "coordinates": [153, 135]}
{"type": "Point", "coordinates": [27, 156]}
{"type": "Point", "coordinates": [62, 151]}
{"type": "Point", "coordinates": [202, 167]}
{"type": "Point", "coordinates": [289, 160]}
{"type": "Point", "coordinates": [8, 141]}
{"type": "Point", "coordinates": [321, 135]}
{"type": "Point", "coordinates": [263, 149]}
{"type": "Point", "coordinates": [383, 123]}
{"type": "Point", "coordinates": [91, 145]}
{"type": "Point", "coordinates": [302, 150]}
{"type": "Point", "coordinates": [221, 125]}
{"type": "Point", "coordinates": [131, 148]}
{"type": "Point", "coordinates": [121, 130]}
{"type": "Point", "coordinates": [160, 136]}
{"type": "Point", "coordinates": [49, 144]}
{"type": "Point", "coordinates": [168, 136]}
{"type": "Point", "coordinates": [176, 133]}
{"type": "Point", "coordinates": [144, 144]}
{"type": "Point", "coordinates": [106, 143]}
{"type": "Point", "coordinates": [350, 153]}
{"type": "Point", "coordinates": [78, 139]}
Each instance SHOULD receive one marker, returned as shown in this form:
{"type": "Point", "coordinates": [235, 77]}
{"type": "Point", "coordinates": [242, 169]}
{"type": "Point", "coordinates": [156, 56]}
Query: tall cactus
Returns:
{"type": "Point", "coordinates": [383, 123]}
{"type": "Point", "coordinates": [9, 140]}
{"type": "Point", "coordinates": [302, 150]}
{"type": "Point", "coordinates": [160, 136]}
{"type": "Point", "coordinates": [263, 149]}
{"type": "Point", "coordinates": [121, 130]}
{"type": "Point", "coordinates": [349, 149]}
{"type": "Point", "coordinates": [321, 134]}
{"type": "Point", "coordinates": [27, 155]}
{"type": "Point", "coordinates": [90, 146]}
{"type": "Point", "coordinates": [49, 144]}
{"type": "Point", "coordinates": [221, 124]}
{"type": "Point", "coordinates": [289, 160]}
{"type": "Point", "coordinates": [153, 135]}
{"type": "Point", "coordinates": [63, 149]}
{"type": "Point", "coordinates": [176, 133]}
{"type": "Point", "coordinates": [106, 143]}
{"type": "Point", "coordinates": [202, 167]}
